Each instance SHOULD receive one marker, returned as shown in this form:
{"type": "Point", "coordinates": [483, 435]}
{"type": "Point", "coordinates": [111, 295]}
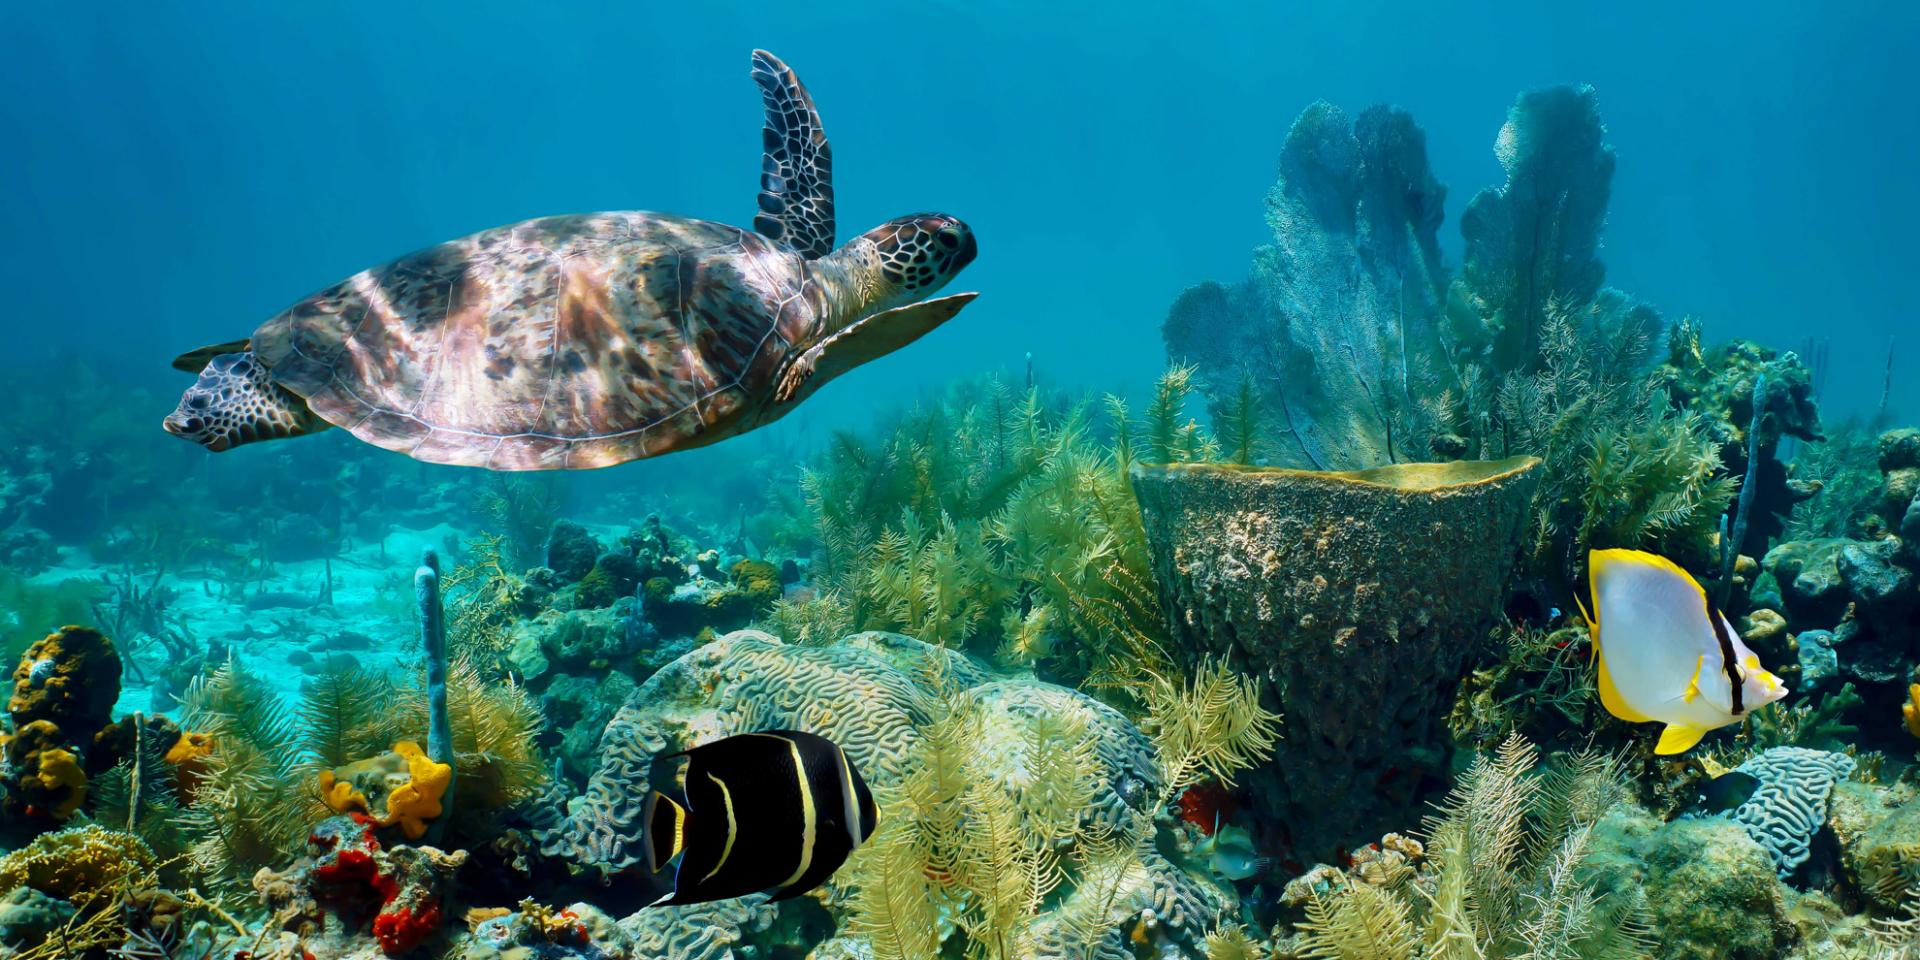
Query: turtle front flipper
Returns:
{"type": "Point", "coordinates": [235, 402]}
{"type": "Point", "coordinates": [194, 361]}
{"type": "Point", "coordinates": [796, 172]}
{"type": "Point", "coordinates": [870, 339]}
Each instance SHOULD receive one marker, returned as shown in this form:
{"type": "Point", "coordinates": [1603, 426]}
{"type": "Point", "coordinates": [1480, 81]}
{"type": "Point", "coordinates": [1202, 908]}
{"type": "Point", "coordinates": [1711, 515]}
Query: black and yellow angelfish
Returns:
{"type": "Point", "coordinates": [773, 812]}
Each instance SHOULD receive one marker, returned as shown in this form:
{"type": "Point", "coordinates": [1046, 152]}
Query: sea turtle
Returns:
{"type": "Point", "coordinates": [572, 342]}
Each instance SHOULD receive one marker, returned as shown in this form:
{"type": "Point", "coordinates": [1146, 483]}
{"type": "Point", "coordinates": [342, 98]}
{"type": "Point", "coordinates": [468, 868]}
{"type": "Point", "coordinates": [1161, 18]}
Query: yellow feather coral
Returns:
{"type": "Point", "coordinates": [1910, 711]}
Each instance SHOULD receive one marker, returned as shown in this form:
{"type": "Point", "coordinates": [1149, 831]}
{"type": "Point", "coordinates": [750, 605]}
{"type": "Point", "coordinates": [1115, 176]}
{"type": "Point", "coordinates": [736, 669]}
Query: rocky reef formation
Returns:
{"type": "Point", "coordinates": [1849, 604]}
{"type": "Point", "coordinates": [61, 716]}
{"type": "Point", "coordinates": [1357, 597]}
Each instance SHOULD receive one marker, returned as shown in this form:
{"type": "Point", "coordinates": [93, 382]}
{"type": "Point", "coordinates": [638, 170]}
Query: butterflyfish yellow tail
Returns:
{"type": "Point", "coordinates": [1678, 738]}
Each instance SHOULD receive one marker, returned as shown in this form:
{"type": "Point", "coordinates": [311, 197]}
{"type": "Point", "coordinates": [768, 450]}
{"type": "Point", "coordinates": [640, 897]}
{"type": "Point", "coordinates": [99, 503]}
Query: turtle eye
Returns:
{"type": "Point", "coordinates": [197, 402]}
{"type": "Point", "coordinates": [949, 238]}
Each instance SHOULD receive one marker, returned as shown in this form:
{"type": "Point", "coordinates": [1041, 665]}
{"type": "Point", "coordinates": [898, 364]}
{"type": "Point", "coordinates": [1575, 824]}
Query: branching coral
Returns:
{"type": "Point", "coordinates": [1005, 523]}
{"type": "Point", "coordinates": [1506, 851]}
{"type": "Point", "coordinates": [243, 816]}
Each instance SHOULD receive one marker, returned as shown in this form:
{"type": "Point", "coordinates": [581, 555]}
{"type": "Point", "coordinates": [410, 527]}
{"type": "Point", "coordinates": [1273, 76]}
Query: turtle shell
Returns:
{"type": "Point", "coordinates": [562, 343]}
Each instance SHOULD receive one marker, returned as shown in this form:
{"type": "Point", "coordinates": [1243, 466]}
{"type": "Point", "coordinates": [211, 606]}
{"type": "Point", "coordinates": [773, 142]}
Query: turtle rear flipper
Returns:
{"type": "Point", "coordinates": [796, 172]}
{"type": "Point", "coordinates": [870, 339]}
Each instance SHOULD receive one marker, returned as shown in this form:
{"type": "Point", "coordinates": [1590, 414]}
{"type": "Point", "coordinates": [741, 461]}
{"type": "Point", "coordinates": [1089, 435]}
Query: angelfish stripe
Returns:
{"type": "Point", "coordinates": [808, 835]}
{"type": "Point", "coordinates": [850, 798]}
{"type": "Point", "coordinates": [733, 828]}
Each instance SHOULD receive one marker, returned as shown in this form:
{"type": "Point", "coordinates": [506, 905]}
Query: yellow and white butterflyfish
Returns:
{"type": "Point", "coordinates": [1666, 654]}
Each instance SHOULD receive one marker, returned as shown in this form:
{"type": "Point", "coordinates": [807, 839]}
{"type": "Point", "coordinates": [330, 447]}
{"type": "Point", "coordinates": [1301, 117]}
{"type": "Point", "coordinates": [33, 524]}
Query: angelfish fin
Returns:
{"type": "Point", "coordinates": [1611, 699]}
{"type": "Point", "coordinates": [1692, 692]}
{"type": "Point", "coordinates": [666, 830]}
{"type": "Point", "coordinates": [1678, 738]}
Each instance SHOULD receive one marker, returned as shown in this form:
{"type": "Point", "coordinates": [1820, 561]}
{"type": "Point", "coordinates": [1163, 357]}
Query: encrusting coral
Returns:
{"type": "Point", "coordinates": [61, 704]}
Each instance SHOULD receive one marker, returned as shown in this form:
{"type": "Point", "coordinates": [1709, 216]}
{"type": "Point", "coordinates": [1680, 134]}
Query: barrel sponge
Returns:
{"type": "Point", "coordinates": [78, 863]}
{"type": "Point", "coordinates": [1357, 597]}
{"type": "Point", "coordinates": [1790, 804]}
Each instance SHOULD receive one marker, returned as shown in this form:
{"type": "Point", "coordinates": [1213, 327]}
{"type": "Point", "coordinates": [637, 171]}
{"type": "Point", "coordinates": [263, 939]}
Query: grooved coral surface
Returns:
{"type": "Point", "coordinates": [1790, 804]}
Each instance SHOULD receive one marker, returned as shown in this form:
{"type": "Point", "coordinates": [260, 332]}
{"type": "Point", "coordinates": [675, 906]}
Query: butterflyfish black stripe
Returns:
{"type": "Point", "coordinates": [1726, 654]}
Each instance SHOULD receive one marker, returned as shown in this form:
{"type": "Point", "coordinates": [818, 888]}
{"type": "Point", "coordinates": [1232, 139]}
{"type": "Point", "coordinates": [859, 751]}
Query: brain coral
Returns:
{"type": "Point", "coordinates": [870, 693]}
{"type": "Point", "coordinates": [1790, 804]}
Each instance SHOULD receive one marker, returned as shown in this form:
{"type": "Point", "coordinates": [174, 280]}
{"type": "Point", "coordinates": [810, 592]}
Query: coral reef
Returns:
{"type": "Point", "coordinates": [1340, 320]}
{"type": "Point", "coordinates": [1850, 602]}
{"type": "Point", "coordinates": [1358, 596]}
{"type": "Point", "coordinates": [60, 712]}
{"type": "Point", "coordinates": [994, 791]}
{"type": "Point", "coordinates": [1507, 869]}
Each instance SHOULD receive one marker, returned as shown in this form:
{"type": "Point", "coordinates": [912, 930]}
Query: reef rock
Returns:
{"type": "Point", "coordinates": [571, 550]}
{"type": "Point", "coordinates": [1359, 597]}
{"type": "Point", "coordinates": [350, 897]}
{"type": "Point", "coordinates": [62, 702]}
{"type": "Point", "coordinates": [1878, 829]}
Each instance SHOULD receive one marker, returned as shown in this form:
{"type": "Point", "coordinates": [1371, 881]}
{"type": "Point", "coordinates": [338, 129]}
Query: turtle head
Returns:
{"type": "Point", "coordinates": [234, 402]}
{"type": "Point", "coordinates": [913, 256]}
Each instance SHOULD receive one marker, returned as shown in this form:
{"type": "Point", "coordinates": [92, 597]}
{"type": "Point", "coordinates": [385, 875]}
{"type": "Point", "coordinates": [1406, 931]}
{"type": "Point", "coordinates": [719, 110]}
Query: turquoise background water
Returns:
{"type": "Point", "coordinates": [177, 172]}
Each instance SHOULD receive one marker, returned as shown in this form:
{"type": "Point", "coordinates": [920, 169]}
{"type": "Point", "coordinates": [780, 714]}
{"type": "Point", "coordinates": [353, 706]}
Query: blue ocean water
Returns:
{"type": "Point", "coordinates": [180, 172]}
